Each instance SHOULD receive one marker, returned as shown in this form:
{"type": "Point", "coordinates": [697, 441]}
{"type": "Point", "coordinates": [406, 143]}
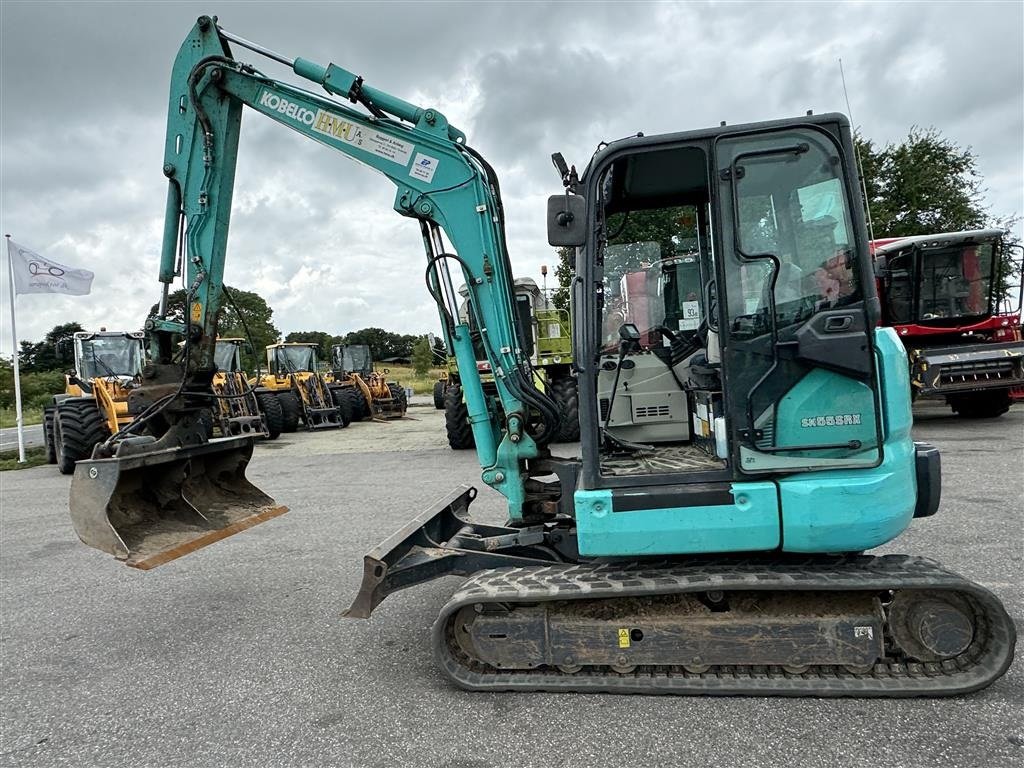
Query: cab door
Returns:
{"type": "Point", "coordinates": [798, 359]}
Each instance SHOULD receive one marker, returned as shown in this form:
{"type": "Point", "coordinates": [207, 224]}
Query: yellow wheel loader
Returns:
{"type": "Point", "coordinates": [294, 379]}
{"type": "Point", "coordinates": [94, 404]}
{"type": "Point", "coordinates": [240, 410]}
{"type": "Point", "coordinates": [360, 390]}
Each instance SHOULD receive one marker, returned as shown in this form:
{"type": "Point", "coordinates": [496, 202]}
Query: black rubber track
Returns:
{"type": "Point", "coordinates": [439, 394]}
{"type": "Point", "coordinates": [291, 409]}
{"type": "Point", "coordinates": [270, 407]}
{"type": "Point", "coordinates": [456, 420]}
{"type": "Point", "coordinates": [51, 451]}
{"type": "Point", "coordinates": [985, 660]}
{"type": "Point", "coordinates": [78, 427]}
{"type": "Point", "coordinates": [563, 392]}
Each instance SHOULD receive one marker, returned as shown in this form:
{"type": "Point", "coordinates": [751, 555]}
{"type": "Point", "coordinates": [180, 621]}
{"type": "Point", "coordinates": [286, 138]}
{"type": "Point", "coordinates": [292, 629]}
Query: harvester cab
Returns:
{"type": "Point", "coordinates": [366, 392]}
{"type": "Point", "coordinates": [951, 300]}
{"type": "Point", "coordinates": [293, 376]}
{"type": "Point", "coordinates": [94, 404]}
{"type": "Point", "coordinates": [701, 542]}
{"type": "Point", "coordinates": [240, 410]}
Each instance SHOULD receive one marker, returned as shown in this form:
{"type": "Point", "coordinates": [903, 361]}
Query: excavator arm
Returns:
{"type": "Point", "coordinates": [442, 183]}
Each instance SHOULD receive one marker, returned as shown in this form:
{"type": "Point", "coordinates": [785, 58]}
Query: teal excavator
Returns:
{"type": "Point", "coordinates": [744, 423]}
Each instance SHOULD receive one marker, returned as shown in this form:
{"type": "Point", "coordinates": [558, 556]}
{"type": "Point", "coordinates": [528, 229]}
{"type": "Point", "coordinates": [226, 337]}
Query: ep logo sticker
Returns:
{"type": "Point", "coordinates": [423, 167]}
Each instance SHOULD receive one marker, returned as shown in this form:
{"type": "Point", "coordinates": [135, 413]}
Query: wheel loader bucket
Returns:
{"type": "Point", "coordinates": [150, 507]}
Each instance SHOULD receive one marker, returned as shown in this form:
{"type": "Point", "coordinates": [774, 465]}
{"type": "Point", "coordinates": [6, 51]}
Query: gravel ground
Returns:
{"type": "Point", "coordinates": [238, 656]}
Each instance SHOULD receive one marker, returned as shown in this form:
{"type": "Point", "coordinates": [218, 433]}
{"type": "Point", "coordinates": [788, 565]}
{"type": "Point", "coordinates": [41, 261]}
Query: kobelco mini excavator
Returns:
{"type": "Point", "coordinates": [744, 425]}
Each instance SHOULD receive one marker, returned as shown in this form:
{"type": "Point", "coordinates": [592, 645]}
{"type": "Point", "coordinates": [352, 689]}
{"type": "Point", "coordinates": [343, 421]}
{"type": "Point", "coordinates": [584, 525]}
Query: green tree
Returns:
{"type": "Point", "coordinates": [923, 185]}
{"type": "Point", "coordinates": [383, 344]}
{"type": "Point", "coordinates": [422, 356]}
{"type": "Point", "coordinates": [928, 184]}
{"type": "Point", "coordinates": [252, 313]}
{"type": "Point", "coordinates": [54, 353]}
{"type": "Point", "coordinates": [565, 270]}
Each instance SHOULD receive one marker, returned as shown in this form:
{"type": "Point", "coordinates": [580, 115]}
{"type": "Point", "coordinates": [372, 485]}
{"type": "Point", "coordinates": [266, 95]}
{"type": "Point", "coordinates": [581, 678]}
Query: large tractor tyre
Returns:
{"type": "Point", "coordinates": [439, 394]}
{"type": "Point", "coordinates": [270, 407]}
{"type": "Point", "coordinates": [456, 420]}
{"type": "Point", "coordinates": [349, 401]}
{"type": "Point", "coordinates": [398, 395]}
{"type": "Point", "coordinates": [344, 405]}
{"type": "Point", "coordinates": [563, 391]}
{"type": "Point", "coordinates": [981, 405]}
{"type": "Point", "coordinates": [48, 417]}
{"type": "Point", "coordinates": [360, 408]}
{"type": "Point", "coordinates": [77, 427]}
{"type": "Point", "coordinates": [291, 410]}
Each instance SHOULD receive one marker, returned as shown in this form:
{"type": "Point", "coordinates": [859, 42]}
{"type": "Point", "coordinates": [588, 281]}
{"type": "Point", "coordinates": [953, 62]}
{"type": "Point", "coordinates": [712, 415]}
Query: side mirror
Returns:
{"type": "Point", "coordinates": [567, 217]}
{"type": "Point", "coordinates": [629, 332]}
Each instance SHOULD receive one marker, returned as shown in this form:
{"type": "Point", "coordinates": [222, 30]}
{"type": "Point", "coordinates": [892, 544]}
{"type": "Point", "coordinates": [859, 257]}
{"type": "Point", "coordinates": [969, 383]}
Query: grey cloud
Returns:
{"type": "Point", "coordinates": [84, 90]}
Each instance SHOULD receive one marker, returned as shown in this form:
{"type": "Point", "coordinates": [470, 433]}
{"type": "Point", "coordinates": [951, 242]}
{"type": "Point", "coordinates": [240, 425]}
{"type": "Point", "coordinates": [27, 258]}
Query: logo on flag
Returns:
{"type": "Point", "coordinates": [35, 274]}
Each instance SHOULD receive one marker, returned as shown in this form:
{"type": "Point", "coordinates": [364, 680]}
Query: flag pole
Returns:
{"type": "Point", "coordinates": [17, 373]}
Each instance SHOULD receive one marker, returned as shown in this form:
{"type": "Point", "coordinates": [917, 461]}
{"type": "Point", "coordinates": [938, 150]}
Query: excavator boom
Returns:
{"type": "Point", "coordinates": [440, 182]}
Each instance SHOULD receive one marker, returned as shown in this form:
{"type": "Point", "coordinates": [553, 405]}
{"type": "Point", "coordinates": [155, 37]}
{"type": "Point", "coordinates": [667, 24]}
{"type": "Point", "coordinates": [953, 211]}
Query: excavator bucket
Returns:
{"type": "Point", "coordinates": [148, 507]}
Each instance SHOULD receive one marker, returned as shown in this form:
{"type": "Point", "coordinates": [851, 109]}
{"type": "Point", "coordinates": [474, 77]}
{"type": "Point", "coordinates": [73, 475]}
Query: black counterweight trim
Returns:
{"type": "Point", "coordinates": [671, 496]}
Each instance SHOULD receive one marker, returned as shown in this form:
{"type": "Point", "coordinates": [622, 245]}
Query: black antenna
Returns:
{"type": "Point", "coordinates": [856, 151]}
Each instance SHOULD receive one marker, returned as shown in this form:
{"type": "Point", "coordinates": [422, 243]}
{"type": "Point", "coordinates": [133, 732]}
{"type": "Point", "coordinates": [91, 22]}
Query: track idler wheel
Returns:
{"type": "Point", "coordinates": [931, 625]}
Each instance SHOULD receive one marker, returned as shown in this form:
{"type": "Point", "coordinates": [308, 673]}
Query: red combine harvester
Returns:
{"type": "Point", "coordinates": [948, 297]}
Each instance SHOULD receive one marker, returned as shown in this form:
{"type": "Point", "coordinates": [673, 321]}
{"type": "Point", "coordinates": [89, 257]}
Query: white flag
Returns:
{"type": "Point", "coordinates": [34, 274]}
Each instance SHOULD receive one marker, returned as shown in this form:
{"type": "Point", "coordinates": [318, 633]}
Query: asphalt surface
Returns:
{"type": "Point", "coordinates": [9, 437]}
{"type": "Point", "coordinates": [237, 655]}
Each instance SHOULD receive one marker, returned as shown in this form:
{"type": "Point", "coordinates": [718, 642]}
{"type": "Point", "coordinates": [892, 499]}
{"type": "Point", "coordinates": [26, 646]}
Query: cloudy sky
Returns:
{"type": "Point", "coordinates": [83, 89]}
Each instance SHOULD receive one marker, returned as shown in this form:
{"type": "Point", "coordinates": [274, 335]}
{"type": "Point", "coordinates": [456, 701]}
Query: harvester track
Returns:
{"type": "Point", "coordinates": [896, 674]}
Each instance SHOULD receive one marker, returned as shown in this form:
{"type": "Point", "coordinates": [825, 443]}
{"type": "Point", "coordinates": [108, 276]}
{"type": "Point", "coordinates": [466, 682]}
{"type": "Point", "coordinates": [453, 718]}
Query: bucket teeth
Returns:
{"type": "Point", "coordinates": [149, 508]}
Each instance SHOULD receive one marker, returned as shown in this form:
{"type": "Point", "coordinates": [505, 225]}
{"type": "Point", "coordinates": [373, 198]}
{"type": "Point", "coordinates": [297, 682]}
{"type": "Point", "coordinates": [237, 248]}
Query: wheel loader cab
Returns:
{"type": "Point", "coordinates": [737, 256]}
{"type": "Point", "coordinates": [227, 355]}
{"type": "Point", "coordinates": [107, 354]}
{"type": "Point", "coordinates": [286, 359]}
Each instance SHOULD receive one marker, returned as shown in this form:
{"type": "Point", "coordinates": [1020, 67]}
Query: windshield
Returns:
{"type": "Point", "coordinates": [103, 356]}
{"type": "Point", "coordinates": [940, 284]}
{"type": "Point", "coordinates": [654, 284]}
{"type": "Point", "coordinates": [353, 358]}
{"type": "Point", "coordinates": [791, 207]}
{"type": "Point", "coordinates": [956, 282]}
{"type": "Point", "coordinates": [293, 359]}
{"type": "Point", "coordinates": [226, 357]}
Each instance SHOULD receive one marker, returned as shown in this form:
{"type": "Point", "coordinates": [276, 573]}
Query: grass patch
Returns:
{"type": "Point", "coordinates": [406, 376]}
{"type": "Point", "coordinates": [33, 458]}
{"type": "Point", "coordinates": [30, 416]}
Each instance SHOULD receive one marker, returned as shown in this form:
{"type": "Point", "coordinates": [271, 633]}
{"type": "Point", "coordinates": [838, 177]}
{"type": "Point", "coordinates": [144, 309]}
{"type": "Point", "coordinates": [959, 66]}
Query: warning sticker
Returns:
{"type": "Point", "coordinates": [423, 167]}
{"type": "Point", "coordinates": [197, 312]}
{"type": "Point", "coordinates": [623, 637]}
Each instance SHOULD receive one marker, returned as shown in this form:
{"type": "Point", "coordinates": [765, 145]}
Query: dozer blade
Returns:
{"type": "Point", "coordinates": [150, 507]}
{"type": "Point", "coordinates": [442, 542]}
